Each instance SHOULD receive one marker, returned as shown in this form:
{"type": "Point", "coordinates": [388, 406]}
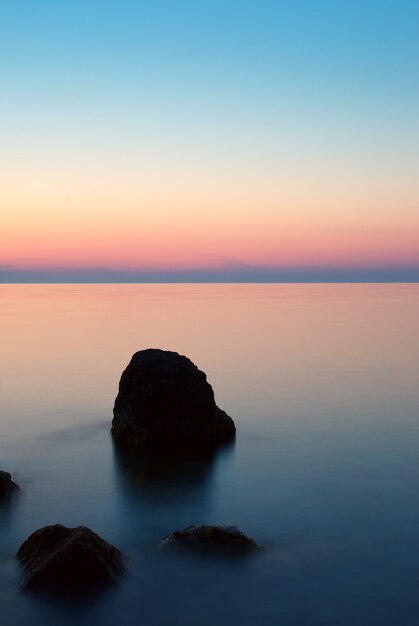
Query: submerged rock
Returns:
{"type": "Point", "coordinates": [211, 540]}
{"type": "Point", "coordinates": [69, 559]}
{"type": "Point", "coordinates": [7, 486]}
{"type": "Point", "coordinates": [165, 401]}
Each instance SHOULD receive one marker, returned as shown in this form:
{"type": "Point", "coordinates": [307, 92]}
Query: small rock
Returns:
{"type": "Point", "coordinates": [7, 486]}
{"type": "Point", "coordinates": [211, 540]}
{"type": "Point", "coordinates": [69, 559]}
{"type": "Point", "coordinates": [164, 401]}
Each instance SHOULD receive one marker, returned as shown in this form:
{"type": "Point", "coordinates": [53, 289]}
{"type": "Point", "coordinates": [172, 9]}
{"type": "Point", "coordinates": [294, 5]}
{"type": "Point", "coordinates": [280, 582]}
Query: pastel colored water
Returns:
{"type": "Point", "coordinates": [322, 382]}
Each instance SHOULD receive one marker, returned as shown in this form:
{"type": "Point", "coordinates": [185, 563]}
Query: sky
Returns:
{"type": "Point", "coordinates": [210, 140]}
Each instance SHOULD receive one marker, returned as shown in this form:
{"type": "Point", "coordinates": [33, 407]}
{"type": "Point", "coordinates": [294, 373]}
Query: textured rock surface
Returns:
{"type": "Point", "coordinates": [211, 540]}
{"type": "Point", "coordinates": [69, 558]}
{"type": "Point", "coordinates": [165, 401]}
{"type": "Point", "coordinates": [7, 486]}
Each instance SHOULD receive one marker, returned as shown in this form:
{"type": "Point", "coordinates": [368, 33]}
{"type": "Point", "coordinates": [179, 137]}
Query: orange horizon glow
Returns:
{"type": "Point", "coordinates": [198, 249]}
{"type": "Point", "coordinates": [143, 227]}
{"type": "Point", "coordinates": [271, 137]}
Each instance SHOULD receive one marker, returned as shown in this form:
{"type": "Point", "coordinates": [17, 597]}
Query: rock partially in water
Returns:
{"type": "Point", "coordinates": [69, 559]}
{"type": "Point", "coordinates": [226, 541]}
{"type": "Point", "coordinates": [165, 401]}
{"type": "Point", "coordinates": [7, 486]}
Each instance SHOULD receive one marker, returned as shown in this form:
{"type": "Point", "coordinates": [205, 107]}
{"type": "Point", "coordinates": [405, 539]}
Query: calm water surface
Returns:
{"type": "Point", "coordinates": [322, 382]}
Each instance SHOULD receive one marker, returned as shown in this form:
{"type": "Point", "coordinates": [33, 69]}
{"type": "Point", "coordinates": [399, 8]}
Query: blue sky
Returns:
{"type": "Point", "coordinates": [292, 95]}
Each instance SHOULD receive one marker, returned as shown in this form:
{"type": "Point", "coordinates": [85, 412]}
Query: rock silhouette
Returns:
{"type": "Point", "coordinates": [165, 401]}
{"type": "Point", "coordinates": [68, 559]}
{"type": "Point", "coordinates": [7, 486]}
{"type": "Point", "coordinates": [211, 541]}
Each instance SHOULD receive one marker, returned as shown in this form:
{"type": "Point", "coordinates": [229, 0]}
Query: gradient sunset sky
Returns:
{"type": "Point", "coordinates": [209, 140]}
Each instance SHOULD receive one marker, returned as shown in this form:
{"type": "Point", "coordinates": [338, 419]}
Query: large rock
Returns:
{"type": "Point", "coordinates": [211, 541]}
{"type": "Point", "coordinates": [68, 559]}
{"type": "Point", "coordinates": [7, 486]}
{"type": "Point", "coordinates": [165, 401]}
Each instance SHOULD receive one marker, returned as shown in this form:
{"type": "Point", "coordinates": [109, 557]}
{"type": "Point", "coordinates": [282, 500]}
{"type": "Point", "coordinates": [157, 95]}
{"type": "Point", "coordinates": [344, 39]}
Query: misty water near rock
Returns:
{"type": "Point", "coordinates": [321, 381]}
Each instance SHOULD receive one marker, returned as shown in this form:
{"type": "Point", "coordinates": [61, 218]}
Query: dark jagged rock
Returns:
{"type": "Point", "coordinates": [165, 401]}
{"type": "Point", "coordinates": [68, 559]}
{"type": "Point", "coordinates": [226, 541]}
{"type": "Point", "coordinates": [7, 486]}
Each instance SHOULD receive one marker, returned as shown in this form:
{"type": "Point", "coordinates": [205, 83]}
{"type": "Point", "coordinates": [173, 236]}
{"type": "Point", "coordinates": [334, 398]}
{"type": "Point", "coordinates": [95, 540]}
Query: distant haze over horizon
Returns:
{"type": "Point", "coordinates": [211, 141]}
{"type": "Point", "coordinates": [224, 275]}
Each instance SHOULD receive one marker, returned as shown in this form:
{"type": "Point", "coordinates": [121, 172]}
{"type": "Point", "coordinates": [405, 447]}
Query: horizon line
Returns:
{"type": "Point", "coordinates": [218, 282]}
{"type": "Point", "coordinates": [237, 275]}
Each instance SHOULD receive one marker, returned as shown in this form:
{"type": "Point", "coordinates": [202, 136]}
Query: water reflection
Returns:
{"type": "Point", "coordinates": [158, 477]}
{"type": "Point", "coordinates": [158, 493]}
{"type": "Point", "coordinates": [9, 511]}
{"type": "Point", "coordinates": [76, 600]}
{"type": "Point", "coordinates": [7, 505]}
{"type": "Point", "coordinates": [322, 383]}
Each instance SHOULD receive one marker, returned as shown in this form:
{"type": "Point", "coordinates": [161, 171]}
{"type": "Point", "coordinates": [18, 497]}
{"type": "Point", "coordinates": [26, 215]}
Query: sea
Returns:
{"type": "Point", "coordinates": [322, 383]}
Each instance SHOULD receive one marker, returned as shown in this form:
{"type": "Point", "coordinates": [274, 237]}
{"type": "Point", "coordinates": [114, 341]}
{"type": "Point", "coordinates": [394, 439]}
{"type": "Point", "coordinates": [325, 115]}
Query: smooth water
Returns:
{"type": "Point", "coordinates": [322, 382]}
